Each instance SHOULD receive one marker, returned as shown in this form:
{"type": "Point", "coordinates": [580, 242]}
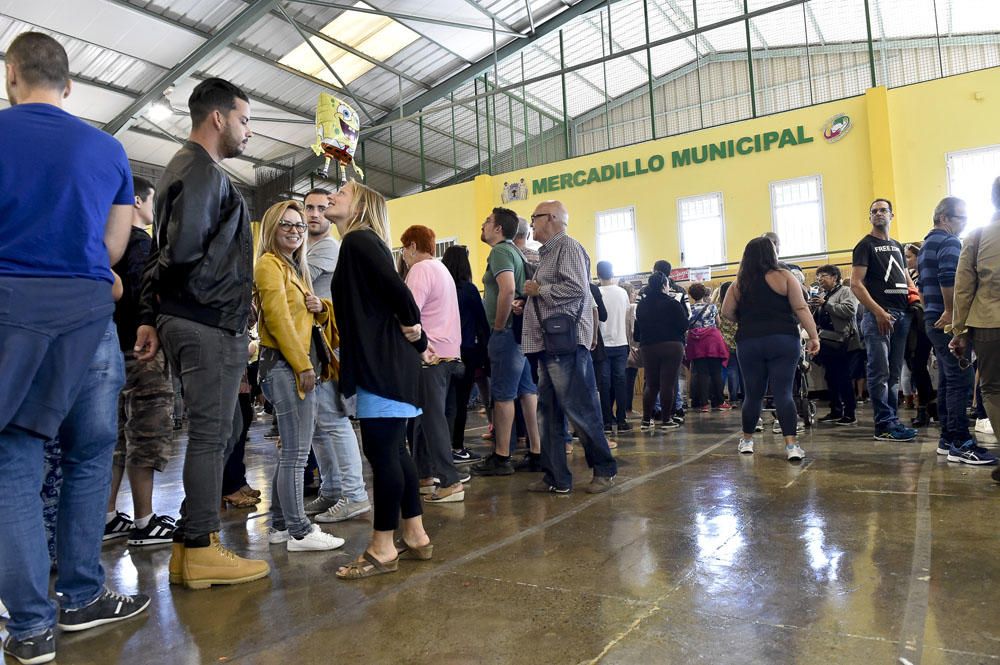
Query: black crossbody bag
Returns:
{"type": "Point", "coordinates": [559, 329]}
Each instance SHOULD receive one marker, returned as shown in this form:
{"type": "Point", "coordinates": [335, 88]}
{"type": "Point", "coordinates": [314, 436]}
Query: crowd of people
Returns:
{"type": "Point", "coordinates": [97, 318]}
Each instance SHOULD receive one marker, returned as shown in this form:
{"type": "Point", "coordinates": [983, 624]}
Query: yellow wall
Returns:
{"type": "Point", "coordinates": [929, 120]}
{"type": "Point", "coordinates": [896, 147]}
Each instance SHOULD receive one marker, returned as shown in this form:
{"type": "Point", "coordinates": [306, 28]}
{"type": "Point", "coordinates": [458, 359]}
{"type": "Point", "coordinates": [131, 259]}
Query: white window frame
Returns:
{"type": "Point", "coordinates": [822, 209]}
{"type": "Point", "coordinates": [974, 221]}
{"type": "Point", "coordinates": [680, 226]}
{"type": "Point", "coordinates": [630, 211]}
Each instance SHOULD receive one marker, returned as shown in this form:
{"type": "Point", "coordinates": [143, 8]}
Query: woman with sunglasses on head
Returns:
{"type": "Point", "coordinates": [290, 366]}
{"type": "Point", "coordinates": [381, 346]}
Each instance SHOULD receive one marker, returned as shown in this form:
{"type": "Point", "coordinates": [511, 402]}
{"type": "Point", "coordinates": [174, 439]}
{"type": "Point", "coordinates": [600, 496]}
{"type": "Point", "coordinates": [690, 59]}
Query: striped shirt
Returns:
{"type": "Point", "coordinates": [564, 277]}
{"type": "Point", "coordinates": [937, 263]}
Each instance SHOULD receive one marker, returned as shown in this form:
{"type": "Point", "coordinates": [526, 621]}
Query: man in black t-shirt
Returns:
{"type": "Point", "coordinates": [880, 282]}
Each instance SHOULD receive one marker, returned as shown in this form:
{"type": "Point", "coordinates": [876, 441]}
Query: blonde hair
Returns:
{"type": "Point", "coordinates": [368, 211]}
{"type": "Point", "coordinates": [269, 232]}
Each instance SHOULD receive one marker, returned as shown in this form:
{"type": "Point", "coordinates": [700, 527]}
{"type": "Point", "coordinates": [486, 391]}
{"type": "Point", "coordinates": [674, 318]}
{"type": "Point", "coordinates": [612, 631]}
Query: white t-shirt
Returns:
{"type": "Point", "coordinates": [616, 302]}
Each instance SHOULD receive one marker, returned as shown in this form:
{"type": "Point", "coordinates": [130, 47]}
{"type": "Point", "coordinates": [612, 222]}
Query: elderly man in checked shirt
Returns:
{"type": "Point", "coordinates": [567, 387]}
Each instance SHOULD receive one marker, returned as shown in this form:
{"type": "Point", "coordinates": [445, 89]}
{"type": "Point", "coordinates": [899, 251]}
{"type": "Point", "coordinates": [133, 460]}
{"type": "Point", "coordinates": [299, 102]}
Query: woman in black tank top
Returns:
{"type": "Point", "coordinates": [767, 341]}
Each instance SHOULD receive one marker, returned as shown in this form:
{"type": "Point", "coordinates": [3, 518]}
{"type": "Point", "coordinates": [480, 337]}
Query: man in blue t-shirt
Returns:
{"type": "Point", "coordinates": [65, 196]}
{"type": "Point", "coordinates": [938, 261]}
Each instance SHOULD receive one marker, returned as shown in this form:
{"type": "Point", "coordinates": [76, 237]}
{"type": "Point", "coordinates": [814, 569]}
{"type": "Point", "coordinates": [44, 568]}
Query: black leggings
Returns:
{"type": "Point", "coordinates": [661, 362]}
{"type": "Point", "coordinates": [457, 407]}
{"type": "Point", "coordinates": [394, 475]}
{"type": "Point", "coordinates": [706, 375]}
{"type": "Point", "coordinates": [918, 350]}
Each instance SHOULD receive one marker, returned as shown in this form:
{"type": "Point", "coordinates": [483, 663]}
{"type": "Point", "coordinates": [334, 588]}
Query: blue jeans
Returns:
{"type": "Point", "coordinates": [567, 389]}
{"type": "Point", "coordinates": [885, 362]}
{"type": "Point", "coordinates": [769, 359]}
{"type": "Point", "coordinates": [336, 447]}
{"type": "Point", "coordinates": [296, 423]}
{"type": "Point", "coordinates": [87, 437]}
{"type": "Point", "coordinates": [732, 377]}
{"type": "Point", "coordinates": [954, 387]}
{"type": "Point", "coordinates": [614, 379]}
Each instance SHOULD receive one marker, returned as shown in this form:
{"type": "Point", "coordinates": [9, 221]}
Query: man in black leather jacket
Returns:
{"type": "Point", "coordinates": [196, 300]}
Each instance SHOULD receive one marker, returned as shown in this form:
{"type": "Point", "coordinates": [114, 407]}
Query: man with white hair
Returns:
{"type": "Point", "coordinates": [521, 242]}
{"type": "Point", "coordinates": [560, 294]}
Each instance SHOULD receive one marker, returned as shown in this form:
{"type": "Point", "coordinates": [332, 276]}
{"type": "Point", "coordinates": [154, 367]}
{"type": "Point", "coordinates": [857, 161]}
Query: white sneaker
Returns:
{"type": "Point", "coordinates": [984, 426]}
{"type": "Point", "coordinates": [276, 537]}
{"type": "Point", "coordinates": [794, 453]}
{"type": "Point", "coordinates": [3, 612]}
{"type": "Point", "coordinates": [315, 541]}
{"type": "Point", "coordinates": [745, 446]}
{"type": "Point", "coordinates": [760, 425]}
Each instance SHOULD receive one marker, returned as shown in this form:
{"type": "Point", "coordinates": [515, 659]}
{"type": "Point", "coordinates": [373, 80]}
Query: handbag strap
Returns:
{"type": "Point", "coordinates": [534, 299]}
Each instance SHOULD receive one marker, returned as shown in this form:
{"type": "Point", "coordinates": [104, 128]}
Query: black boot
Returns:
{"type": "Point", "coordinates": [921, 420]}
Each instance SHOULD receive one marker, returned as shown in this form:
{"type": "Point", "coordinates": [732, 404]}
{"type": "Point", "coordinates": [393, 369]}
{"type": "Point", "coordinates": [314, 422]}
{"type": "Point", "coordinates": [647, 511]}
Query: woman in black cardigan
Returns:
{"type": "Point", "coordinates": [381, 345]}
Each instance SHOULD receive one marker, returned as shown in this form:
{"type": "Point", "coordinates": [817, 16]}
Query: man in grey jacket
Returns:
{"type": "Point", "coordinates": [196, 299]}
{"type": "Point", "coordinates": [567, 387]}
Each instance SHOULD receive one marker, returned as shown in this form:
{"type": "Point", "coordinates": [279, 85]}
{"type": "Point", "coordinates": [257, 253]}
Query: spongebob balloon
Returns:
{"type": "Point", "coordinates": [337, 128]}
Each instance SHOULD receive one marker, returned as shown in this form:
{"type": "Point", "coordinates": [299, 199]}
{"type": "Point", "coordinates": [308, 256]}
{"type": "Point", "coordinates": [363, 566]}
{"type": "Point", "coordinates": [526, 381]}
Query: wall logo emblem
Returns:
{"type": "Point", "coordinates": [514, 191]}
{"type": "Point", "coordinates": [837, 127]}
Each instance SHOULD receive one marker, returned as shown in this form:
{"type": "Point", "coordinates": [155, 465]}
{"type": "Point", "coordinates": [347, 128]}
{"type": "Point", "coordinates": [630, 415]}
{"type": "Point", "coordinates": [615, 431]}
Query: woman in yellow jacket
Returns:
{"type": "Point", "coordinates": [289, 364]}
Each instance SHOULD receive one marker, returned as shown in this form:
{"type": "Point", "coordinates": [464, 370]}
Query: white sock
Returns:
{"type": "Point", "coordinates": [143, 522]}
{"type": "Point", "coordinates": [109, 516]}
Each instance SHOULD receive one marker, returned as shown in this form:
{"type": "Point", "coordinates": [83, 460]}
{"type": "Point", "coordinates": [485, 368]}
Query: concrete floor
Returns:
{"type": "Point", "coordinates": [866, 552]}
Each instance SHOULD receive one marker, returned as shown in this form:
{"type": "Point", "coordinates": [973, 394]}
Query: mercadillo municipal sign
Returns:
{"type": "Point", "coordinates": [709, 152]}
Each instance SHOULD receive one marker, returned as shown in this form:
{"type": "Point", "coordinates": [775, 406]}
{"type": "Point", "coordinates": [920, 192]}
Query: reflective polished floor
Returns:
{"type": "Point", "coordinates": [866, 552]}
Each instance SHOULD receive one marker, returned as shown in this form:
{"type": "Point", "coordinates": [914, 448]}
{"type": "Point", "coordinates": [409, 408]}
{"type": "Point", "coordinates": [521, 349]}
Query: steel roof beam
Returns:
{"type": "Point", "coordinates": [408, 17]}
{"type": "Point", "coordinates": [490, 15]}
{"type": "Point", "coordinates": [213, 45]}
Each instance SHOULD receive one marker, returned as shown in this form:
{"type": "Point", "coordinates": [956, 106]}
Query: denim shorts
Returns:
{"type": "Point", "coordinates": [510, 373]}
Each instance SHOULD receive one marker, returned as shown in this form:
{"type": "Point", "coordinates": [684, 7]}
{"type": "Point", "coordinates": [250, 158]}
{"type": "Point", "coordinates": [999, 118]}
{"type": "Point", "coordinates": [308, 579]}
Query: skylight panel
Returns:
{"type": "Point", "coordinates": [379, 37]}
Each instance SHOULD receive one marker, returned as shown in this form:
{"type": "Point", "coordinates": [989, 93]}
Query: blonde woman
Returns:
{"type": "Point", "coordinates": [381, 346]}
{"type": "Point", "coordinates": [289, 365]}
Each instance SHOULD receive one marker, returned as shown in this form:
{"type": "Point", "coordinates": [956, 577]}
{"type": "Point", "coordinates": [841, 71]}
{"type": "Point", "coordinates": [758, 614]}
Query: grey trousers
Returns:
{"type": "Point", "coordinates": [987, 345]}
{"type": "Point", "coordinates": [431, 435]}
{"type": "Point", "coordinates": [209, 362]}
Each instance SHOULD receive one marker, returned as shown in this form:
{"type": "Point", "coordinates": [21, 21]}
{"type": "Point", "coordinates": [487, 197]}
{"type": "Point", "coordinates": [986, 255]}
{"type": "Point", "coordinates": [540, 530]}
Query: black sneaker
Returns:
{"type": "Point", "coordinates": [678, 418]}
{"type": "Point", "coordinates": [108, 608]}
{"type": "Point", "coordinates": [847, 420]}
{"type": "Point", "coordinates": [624, 427]}
{"type": "Point", "coordinates": [530, 463]}
{"type": "Point", "coordinates": [464, 456]}
{"type": "Point", "coordinates": [31, 650]}
{"type": "Point", "coordinates": [493, 466]}
{"type": "Point", "coordinates": [829, 418]}
{"type": "Point", "coordinates": [607, 429]}
{"type": "Point", "coordinates": [159, 531]}
{"type": "Point", "coordinates": [544, 487]}
{"type": "Point", "coordinates": [119, 527]}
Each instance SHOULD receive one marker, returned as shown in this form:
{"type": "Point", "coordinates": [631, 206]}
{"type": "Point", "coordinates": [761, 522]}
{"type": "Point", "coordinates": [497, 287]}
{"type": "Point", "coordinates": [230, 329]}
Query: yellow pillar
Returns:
{"type": "Point", "coordinates": [485, 201]}
{"type": "Point", "coordinates": [880, 143]}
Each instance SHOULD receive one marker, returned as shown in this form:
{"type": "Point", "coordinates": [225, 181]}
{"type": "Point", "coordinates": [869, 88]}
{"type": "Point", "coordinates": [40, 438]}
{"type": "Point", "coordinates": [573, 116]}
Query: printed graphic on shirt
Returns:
{"type": "Point", "coordinates": [886, 275]}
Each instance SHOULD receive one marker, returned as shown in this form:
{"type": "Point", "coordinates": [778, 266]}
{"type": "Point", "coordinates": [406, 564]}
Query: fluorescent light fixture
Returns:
{"type": "Point", "coordinates": [377, 36]}
{"type": "Point", "coordinates": [159, 110]}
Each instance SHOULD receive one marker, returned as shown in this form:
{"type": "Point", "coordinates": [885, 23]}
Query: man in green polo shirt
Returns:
{"type": "Point", "coordinates": [510, 373]}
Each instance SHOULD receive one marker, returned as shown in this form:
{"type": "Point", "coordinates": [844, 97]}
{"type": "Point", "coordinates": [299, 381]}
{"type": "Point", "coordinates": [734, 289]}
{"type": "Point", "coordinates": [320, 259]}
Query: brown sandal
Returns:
{"type": "Point", "coordinates": [239, 500]}
{"type": "Point", "coordinates": [369, 566]}
{"type": "Point", "coordinates": [404, 551]}
{"type": "Point", "coordinates": [249, 491]}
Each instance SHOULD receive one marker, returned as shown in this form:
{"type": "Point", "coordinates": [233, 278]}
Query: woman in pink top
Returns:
{"type": "Point", "coordinates": [434, 292]}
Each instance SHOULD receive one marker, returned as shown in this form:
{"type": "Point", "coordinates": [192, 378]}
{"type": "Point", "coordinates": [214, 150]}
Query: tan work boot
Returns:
{"type": "Point", "coordinates": [205, 566]}
{"type": "Point", "coordinates": [177, 563]}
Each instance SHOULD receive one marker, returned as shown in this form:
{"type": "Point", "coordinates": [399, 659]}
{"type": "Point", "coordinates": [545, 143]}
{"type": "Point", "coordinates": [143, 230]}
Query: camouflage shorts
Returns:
{"type": "Point", "coordinates": [145, 414]}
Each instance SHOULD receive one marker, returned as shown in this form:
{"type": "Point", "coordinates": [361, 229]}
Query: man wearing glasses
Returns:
{"type": "Point", "coordinates": [880, 282]}
{"type": "Point", "coordinates": [938, 262]}
{"type": "Point", "coordinates": [567, 387]}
